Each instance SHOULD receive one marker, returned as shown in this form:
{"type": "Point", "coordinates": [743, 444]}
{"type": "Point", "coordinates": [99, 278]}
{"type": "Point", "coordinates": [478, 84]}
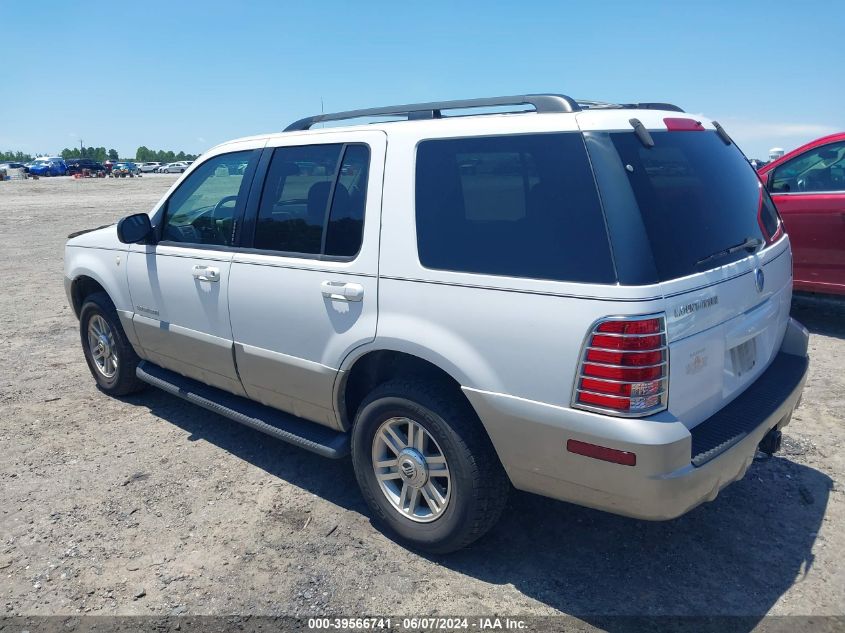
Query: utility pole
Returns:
{"type": "Point", "coordinates": [81, 148]}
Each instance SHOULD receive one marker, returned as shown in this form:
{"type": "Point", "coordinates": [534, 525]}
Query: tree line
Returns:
{"type": "Point", "coordinates": [144, 154]}
{"type": "Point", "coordinates": [95, 153]}
{"type": "Point", "coordinates": [15, 157]}
{"type": "Point", "coordinates": [101, 154]}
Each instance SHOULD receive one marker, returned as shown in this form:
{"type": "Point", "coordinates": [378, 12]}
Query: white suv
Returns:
{"type": "Point", "coordinates": [147, 168]}
{"type": "Point", "coordinates": [588, 301]}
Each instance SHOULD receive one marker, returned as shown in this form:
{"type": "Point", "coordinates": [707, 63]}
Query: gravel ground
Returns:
{"type": "Point", "coordinates": [149, 505]}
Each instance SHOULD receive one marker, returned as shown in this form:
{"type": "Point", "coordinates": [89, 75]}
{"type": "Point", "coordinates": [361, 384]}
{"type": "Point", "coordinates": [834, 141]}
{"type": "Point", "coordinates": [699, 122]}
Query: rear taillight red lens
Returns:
{"type": "Point", "coordinates": [624, 369]}
{"type": "Point", "coordinates": [635, 343]}
{"type": "Point", "coordinates": [644, 326]}
{"type": "Point", "coordinates": [626, 359]}
{"type": "Point", "coordinates": [772, 226]}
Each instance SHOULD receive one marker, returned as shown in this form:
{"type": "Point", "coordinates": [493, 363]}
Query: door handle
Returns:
{"type": "Point", "coordinates": [206, 273]}
{"type": "Point", "coordinates": [342, 291]}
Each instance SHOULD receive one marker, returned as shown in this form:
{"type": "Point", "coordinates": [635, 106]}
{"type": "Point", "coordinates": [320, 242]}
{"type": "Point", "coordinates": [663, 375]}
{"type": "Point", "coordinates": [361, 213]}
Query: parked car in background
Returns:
{"type": "Point", "coordinates": [48, 166]}
{"type": "Point", "coordinates": [79, 165]}
{"type": "Point", "coordinates": [527, 335]}
{"type": "Point", "coordinates": [808, 188]}
{"type": "Point", "coordinates": [177, 167]}
{"type": "Point", "coordinates": [12, 165]}
{"type": "Point", "coordinates": [150, 167]}
{"type": "Point", "coordinates": [121, 170]}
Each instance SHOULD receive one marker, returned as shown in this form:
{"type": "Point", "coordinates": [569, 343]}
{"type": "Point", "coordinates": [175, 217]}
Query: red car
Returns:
{"type": "Point", "coordinates": [808, 188]}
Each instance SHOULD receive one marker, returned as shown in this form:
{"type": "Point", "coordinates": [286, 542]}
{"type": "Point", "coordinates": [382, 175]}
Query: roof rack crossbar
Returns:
{"type": "Point", "coordinates": [413, 111]}
{"type": "Point", "coordinates": [605, 105]}
{"type": "Point", "coordinates": [653, 106]}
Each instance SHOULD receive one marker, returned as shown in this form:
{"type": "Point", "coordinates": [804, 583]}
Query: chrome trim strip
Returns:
{"type": "Point", "coordinates": [624, 382]}
{"type": "Point", "coordinates": [618, 335]}
{"type": "Point", "coordinates": [613, 395]}
{"type": "Point", "coordinates": [648, 350]}
{"type": "Point", "coordinates": [592, 362]}
{"type": "Point", "coordinates": [807, 193]}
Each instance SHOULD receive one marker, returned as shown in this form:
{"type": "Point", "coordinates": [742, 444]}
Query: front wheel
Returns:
{"type": "Point", "coordinates": [426, 467]}
{"type": "Point", "coordinates": [109, 354]}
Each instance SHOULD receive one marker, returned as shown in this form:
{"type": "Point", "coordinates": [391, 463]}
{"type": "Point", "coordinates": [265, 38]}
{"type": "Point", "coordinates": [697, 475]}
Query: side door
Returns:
{"type": "Point", "coordinates": [305, 294]}
{"type": "Point", "coordinates": [809, 192]}
{"type": "Point", "coordinates": [179, 285]}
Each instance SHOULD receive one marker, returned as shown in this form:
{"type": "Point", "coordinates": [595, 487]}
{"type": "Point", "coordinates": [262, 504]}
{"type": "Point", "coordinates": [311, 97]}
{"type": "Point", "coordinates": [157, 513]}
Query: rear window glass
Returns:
{"type": "Point", "coordinates": [695, 196]}
{"type": "Point", "coordinates": [519, 205]}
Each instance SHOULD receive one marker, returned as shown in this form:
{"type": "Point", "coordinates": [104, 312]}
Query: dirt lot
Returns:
{"type": "Point", "coordinates": [150, 505]}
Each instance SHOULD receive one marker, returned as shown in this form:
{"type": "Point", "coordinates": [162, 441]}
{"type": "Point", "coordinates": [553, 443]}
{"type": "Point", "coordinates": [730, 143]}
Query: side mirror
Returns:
{"type": "Point", "coordinates": [134, 228]}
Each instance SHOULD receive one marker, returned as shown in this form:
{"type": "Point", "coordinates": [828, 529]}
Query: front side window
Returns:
{"type": "Point", "coordinates": [204, 207]}
{"type": "Point", "coordinates": [815, 171]}
{"type": "Point", "coordinates": [518, 205]}
{"type": "Point", "coordinates": [313, 200]}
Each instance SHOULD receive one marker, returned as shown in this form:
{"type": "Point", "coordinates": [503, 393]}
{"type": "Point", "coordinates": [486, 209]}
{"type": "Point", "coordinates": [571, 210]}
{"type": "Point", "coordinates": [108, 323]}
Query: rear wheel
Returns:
{"type": "Point", "coordinates": [109, 354]}
{"type": "Point", "coordinates": [426, 467]}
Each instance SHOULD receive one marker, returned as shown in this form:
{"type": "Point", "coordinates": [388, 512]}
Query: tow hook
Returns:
{"type": "Point", "coordinates": [770, 444]}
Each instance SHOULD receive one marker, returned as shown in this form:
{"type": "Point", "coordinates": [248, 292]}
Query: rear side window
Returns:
{"type": "Point", "coordinates": [313, 200]}
{"type": "Point", "coordinates": [519, 206]}
{"type": "Point", "coordinates": [689, 198]}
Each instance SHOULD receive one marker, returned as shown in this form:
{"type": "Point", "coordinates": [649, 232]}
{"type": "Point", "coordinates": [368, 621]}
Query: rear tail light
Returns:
{"type": "Point", "coordinates": [624, 368]}
{"type": "Point", "coordinates": [773, 229]}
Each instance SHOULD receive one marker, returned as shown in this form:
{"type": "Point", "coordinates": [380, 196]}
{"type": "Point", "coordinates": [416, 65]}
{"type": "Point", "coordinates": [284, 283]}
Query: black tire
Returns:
{"type": "Point", "coordinates": [479, 485]}
{"type": "Point", "coordinates": [124, 381]}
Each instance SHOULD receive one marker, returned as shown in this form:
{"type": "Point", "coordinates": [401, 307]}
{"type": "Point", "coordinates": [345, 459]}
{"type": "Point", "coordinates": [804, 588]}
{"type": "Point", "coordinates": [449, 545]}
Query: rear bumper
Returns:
{"type": "Point", "coordinates": [676, 470]}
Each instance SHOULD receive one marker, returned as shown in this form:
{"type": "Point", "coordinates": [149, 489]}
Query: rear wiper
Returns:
{"type": "Point", "coordinates": [749, 244]}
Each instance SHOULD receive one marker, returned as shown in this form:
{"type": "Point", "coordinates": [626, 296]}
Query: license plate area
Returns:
{"type": "Point", "coordinates": [743, 357]}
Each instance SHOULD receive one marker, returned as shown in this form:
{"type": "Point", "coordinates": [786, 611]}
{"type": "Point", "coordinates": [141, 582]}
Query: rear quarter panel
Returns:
{"type": "Point", "coordinates": [516, 336]}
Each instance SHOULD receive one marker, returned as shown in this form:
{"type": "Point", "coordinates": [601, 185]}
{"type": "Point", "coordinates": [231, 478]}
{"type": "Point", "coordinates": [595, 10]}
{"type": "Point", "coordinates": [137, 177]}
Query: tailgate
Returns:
{"type": "Point", "coordinates": [724, 328]}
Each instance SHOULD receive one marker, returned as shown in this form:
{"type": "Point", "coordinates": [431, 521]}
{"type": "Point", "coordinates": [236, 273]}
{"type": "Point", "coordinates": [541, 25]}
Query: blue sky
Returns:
{"type": "Point", "coordinates": [186, 75]}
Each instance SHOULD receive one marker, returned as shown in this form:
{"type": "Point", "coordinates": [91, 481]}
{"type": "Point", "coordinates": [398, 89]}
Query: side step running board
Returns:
{"type": "Point", "coordinates": [308, 435]}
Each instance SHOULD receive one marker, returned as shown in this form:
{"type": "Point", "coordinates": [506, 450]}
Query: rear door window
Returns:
{"type": "Point", "coordinates": [313, 200]}
{"type": "Point", "coordinates": [517, 205]}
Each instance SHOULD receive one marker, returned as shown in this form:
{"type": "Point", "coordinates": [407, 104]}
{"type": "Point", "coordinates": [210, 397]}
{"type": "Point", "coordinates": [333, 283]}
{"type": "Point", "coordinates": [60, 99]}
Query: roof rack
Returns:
{"type": "Point", "coordinates": [542, 103]}
{"type": "Point", "coordinates": [433, 110]}
{"type": "Point", "coordinates": [604, 105]}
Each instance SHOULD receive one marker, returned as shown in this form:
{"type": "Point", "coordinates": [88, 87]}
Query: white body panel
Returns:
{"type": "Point", "coordinates": [181, 321]}
{"type": "Point", "coordinates": [289, 338]}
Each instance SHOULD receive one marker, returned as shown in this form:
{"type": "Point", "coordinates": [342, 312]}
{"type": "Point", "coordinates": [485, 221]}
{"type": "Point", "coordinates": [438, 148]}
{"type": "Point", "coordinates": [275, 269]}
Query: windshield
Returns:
{"type": "Point", "coordinates": [694, 202]}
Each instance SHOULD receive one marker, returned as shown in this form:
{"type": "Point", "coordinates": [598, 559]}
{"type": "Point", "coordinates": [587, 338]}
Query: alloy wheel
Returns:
{"type": "Point", "coordinates": [411, 469]}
